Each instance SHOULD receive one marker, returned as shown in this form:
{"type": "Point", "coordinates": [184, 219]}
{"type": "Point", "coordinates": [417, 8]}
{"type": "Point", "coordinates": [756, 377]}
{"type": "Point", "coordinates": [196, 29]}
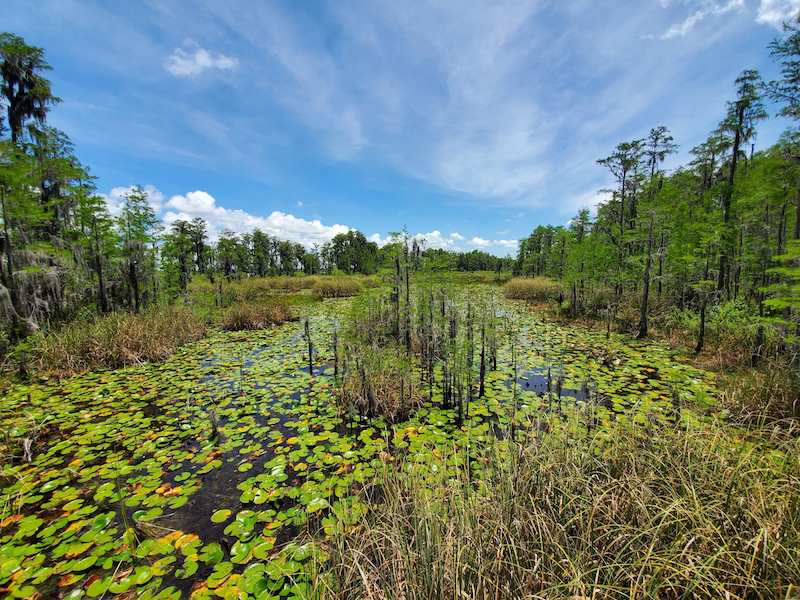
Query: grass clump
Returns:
{"type": "Point", "coordinates": [246, 316]}
{"type": "Point", "coordinates": [766, 394]}
{"type": "Point", "coordinates": [116, 340]}
{"type": "Point", "coordinates": [377, 382]}
{"type": "Point", "coordinates": [336, 287]}
{"type": "Point", "coordinates": [531, 289]}
{"type": "Point", "coordinates": [706, 514]}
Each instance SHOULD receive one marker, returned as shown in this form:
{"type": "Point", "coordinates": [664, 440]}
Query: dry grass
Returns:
{"type": "Point", "coordinates": [706, 514]}
{"type": "Point", "coordinates": [531, 289]}
{"type": "Point", "coordinates": [336, 287]}
{"type": "Point", "coordinates": [116, 340]}
{"type": "Point", "coordinates": [256, 315]}
{"type": "Point", "coordinates": [769, 393]}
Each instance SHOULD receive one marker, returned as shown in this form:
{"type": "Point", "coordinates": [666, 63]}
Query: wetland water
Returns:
{"type": "Point", "coordinates": [130, 493]}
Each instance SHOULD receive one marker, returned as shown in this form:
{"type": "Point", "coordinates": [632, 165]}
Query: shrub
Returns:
{"type": "Point", "coordinates": [336, 287]}
{"type": "Point", "coordinates": [117, 340]}
{"type": "Point", "coordinates": [531, 289]}
{"type": "Point", "coordinates": [599, 299]}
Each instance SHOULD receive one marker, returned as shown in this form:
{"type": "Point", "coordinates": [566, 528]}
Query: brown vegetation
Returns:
{"type": "Point", "coordinates": [116, 340]}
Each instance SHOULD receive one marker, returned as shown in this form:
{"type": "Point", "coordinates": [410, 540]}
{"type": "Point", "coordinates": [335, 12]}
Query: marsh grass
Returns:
{"type": "Point", "coordinates": [701, 514]}
{"type": "Point", "coordinates": [336, 287]}
{"type": "Point", "coordinates": [377, 382]}
{"type": "Point", "coordinates": [116, 340]}
{"type": "Point", "coordinates": [247, 316]}
{"type": "Point", "coordinates": [765, 394]}
{"type": "Point", "coordinates": [531, 289]}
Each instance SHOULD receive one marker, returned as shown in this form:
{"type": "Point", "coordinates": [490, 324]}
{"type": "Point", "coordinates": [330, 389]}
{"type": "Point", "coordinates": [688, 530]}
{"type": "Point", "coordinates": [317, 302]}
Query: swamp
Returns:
{"type": "Point", "coordinates": [243, 466]}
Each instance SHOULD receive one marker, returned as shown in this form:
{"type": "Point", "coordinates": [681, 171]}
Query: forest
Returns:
{"type": "Point", "coordinates": [612, 413]}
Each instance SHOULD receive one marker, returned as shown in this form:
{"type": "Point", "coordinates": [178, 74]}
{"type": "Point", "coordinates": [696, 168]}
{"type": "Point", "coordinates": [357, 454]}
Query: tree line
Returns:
{"type": "Point", "coordinates": [62, 251]}
{"type": "Point", "coordinates": [726, 226]}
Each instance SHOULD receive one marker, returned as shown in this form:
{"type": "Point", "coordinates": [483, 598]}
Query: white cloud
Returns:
{"type": "Point", "coordinates": [185, 64]}
{"type": "Point", "coordinates": [505, 231]}
{"type": "Point", "coordinates": [200, 204]}
{"type": "Point", "coordinates": [776, 12]}
{"type": "Point", "coordinates": [299, 203]}
{"type": "Point", "coordinates": [115, 199]}
{"type": "Point", "coordinates": [278, 224]}
{"type": "Point", "coordinates": [432, 239]}
{"type": "Point", "coordinates": [709, 7]}
{"type": "Point", "coordinates": [482, 244]}
{"type": "Point", "coordinates": [512, 244]}
{"type": "Point", "coordinates": [478, 242]}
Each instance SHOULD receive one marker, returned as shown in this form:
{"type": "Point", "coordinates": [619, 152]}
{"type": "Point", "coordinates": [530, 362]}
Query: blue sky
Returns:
{"type": "Point", "coordinates": [469, 123]}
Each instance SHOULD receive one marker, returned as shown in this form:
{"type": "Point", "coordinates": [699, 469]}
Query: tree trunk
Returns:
{"type": "Point", "coordinates": [646, 293]}
{"type": "Point", "coordinates": [99, 266]}
{"type": "Point", "coordinates": [702, 335]}
{"type": "Point", "coordinates": [797, 217]}
{"type": "Point", "coordinates": [726, 202]}
{"type": "Point", "coordinates": [8, 272]}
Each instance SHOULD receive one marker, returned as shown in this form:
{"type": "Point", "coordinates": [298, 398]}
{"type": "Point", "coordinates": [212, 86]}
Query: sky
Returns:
{"type": "Point", "coordinates": [469, 123]}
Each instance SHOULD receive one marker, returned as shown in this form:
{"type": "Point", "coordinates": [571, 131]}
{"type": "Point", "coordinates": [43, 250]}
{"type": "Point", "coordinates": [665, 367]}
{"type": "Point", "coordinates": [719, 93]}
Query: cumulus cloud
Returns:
{"type": "Point", "coordinates": [776, 12]}
{"type": "Point", "coordinates": [432, 239]}
{"type": "Point", "coordinates": [278, 224]}
{"type": "Point", "coordinates": [482, 244]}
{"type": "Point", "coordinates": [200, 204]}
{"type": "Point", "coordinates": [709, 7]}
{"type": "Point", "coordinates": [115, 199]}
{"type": "Point", "coordinates": [478, 242]}
{"type": "Point", "coordinates": [183, 63]}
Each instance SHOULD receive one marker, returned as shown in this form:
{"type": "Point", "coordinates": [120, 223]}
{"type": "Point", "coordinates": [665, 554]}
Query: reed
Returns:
{"type": "Point", "coordinates": [116, 340]}
{"type": "Point", "coordinates": [245, 316]}
{"type": "Point", "coordinates": [531, 289]}
{"type": "Point", "coordinates": [336, 287]}
{"type": "Point", "coordinates": [700, 514]}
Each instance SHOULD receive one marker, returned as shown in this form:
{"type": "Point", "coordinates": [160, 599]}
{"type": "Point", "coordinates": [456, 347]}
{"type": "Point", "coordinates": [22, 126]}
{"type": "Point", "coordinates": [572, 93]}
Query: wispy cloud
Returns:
{"type": "Point", "coordinates": [709, 7]}
{"type": "Point", "coordinates": [776, 12]}
{"type": "Point", "coordinates": [192, 60]}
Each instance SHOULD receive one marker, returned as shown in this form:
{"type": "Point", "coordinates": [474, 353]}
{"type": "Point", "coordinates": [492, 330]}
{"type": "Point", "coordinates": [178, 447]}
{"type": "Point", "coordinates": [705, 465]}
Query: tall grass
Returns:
{"type": "Point", "coordinates": [706, 514]}
{"type": "Point", "coordinates": [256, 315]}
{"type": "Point", "coordinates": [531, 289]}
{"type": "Point", "coordinates": [336, 287]}
{"type": "Point", "coordinates": [116, 340]}
{"type": "Point", "coordinates": [769, 393]}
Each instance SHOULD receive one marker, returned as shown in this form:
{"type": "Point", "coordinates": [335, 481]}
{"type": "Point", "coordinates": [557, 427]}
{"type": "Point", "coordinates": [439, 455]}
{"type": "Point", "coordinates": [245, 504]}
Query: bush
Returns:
{"type": "Point", "coordinates": [531, 289]}
{"type": "Point", "coordinates": [248, 316]}
{"type": "Point", "coordinates": [336, 287]}
{"type": "Point", "coordinates": [599, 300]}
{"type": "Point", "coordinates": [117, 340]}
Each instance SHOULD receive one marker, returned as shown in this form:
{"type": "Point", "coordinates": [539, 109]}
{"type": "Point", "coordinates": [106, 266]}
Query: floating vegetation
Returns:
{"type": "Point", "coordinates": [222, 471]}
